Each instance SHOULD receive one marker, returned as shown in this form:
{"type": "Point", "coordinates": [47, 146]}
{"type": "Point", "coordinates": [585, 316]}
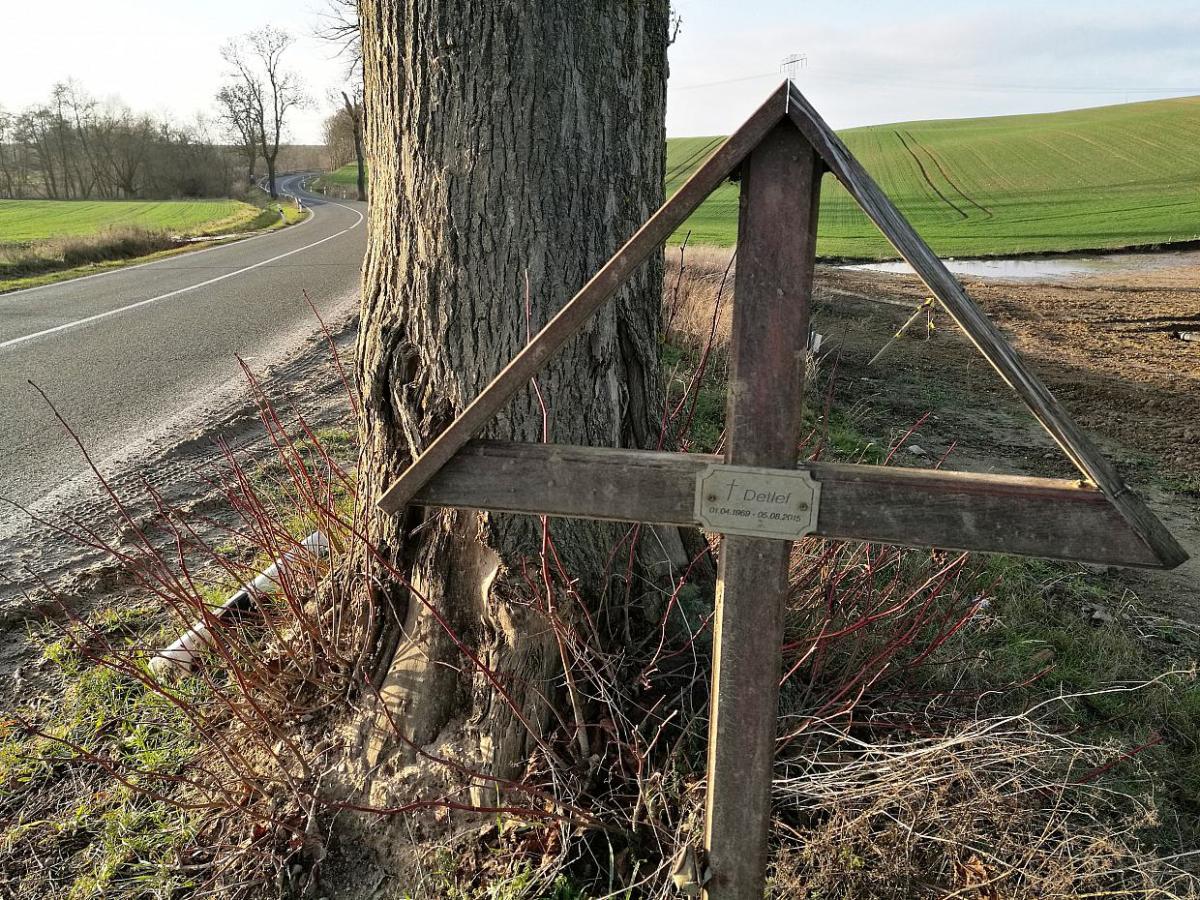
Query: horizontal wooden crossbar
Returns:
{"type": "Point", "coordinates": [1041, 517]}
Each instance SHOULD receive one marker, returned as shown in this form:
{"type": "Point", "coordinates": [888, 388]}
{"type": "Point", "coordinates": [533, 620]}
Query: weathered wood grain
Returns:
{"type": "Point", "coordinates": [777, 237]}
{"type": "Point", "coordinates": [648, 239]}
{"type": "Point", "coordinates": [980, 330]}
{"type": "Point", "coordinates": [1043, 517]}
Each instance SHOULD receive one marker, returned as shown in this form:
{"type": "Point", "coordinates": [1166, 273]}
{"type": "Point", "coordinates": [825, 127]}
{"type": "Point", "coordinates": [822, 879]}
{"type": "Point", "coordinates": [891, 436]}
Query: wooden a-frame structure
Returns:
{"type": "Point", "coordinates": [781, 152]}
{"type": "Point", "coordinates": [1099, 520]}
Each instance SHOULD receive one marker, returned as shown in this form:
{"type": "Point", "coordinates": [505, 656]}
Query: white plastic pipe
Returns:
{"type": "Point", "coordinates": [182, 654]}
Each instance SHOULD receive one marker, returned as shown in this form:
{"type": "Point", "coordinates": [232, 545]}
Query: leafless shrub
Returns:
{"type": "Point", "coordinates": [249, 777]}
{"type": "Point", "coordinates": [255, 785]}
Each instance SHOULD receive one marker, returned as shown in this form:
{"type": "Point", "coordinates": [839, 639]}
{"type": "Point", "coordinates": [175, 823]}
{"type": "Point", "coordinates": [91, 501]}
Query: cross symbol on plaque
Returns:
{"type": "Point", "coordinates": [757, 496]}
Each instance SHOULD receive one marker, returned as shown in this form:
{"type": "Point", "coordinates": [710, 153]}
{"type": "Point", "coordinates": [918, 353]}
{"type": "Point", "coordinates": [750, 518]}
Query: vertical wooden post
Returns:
{"type": "Point", "coordinates": [777, 227]}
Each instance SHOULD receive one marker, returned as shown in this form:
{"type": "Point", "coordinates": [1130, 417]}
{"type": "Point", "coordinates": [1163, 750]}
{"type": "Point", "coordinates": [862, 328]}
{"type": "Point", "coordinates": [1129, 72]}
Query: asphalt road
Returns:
{"type": "Point", "coordinates": [132, 353]}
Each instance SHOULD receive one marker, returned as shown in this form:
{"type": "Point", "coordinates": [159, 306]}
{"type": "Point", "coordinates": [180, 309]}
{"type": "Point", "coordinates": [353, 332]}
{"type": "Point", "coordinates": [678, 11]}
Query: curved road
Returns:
{"type": "Point", "coordinates": [127, 353]}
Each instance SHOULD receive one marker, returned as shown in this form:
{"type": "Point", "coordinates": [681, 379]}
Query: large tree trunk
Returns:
{"type": "Point", "coordinates": [512, 146]}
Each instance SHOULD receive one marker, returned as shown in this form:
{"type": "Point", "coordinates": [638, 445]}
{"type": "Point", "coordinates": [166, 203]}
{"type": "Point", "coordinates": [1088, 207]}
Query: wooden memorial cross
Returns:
{"type": "Point", "coordinates": [757, 496]}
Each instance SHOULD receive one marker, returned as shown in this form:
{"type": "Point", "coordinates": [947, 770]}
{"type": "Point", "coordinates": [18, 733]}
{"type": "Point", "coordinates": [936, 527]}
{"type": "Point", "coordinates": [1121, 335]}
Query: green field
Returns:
{"type": "Point", "coordinates": [1116, 176]}
{"type": "Point", "coordinates": [1110, 177]}
{"type": "Point", "coordinates": [346, 175]}
{"type": "Point", "coordinates": [27, 221]}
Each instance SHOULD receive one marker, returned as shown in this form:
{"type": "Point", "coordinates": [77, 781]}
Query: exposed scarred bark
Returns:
{"type": "Point", "coordinates": [510, 144]}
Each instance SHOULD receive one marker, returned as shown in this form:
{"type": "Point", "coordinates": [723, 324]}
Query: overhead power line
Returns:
{"type": "Point", "coordinates": [692, 87]}
{"type": "Point", "coordinates": [948, 85]}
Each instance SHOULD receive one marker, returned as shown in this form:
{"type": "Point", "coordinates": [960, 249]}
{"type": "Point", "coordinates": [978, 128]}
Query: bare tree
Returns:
{"type": "Point", "coordinates": [339, 139]}
{"type": "Point", "coordinates": [10, 156]}
{"type": "Point", "coordinates": [271, 90]}
{"type": "Point", "coordinates": [74, 147]}
{"type": "Point", "coordinates": [340, 26]}
{"type": "Point", "coordinates": [353, 109]}
{"type": "Point", "coordinates": [237, 115]}
{"type": "Point", "coordinates": [81, 121]}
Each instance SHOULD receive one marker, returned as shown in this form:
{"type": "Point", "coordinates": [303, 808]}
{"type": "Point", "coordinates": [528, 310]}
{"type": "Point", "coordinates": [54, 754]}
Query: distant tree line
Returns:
{"type": "Point", "coordinates": [74, 147]}
{"type": "Point", "coordinates": [343, 134]}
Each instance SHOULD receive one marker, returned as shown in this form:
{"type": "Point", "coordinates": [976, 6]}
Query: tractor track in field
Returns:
{"type": "Point", "coordinates": [925, 174]}
{"type": "Point", "coordinates": [933, 157]}
{"type": "Point", "coordinates": [690, 162]}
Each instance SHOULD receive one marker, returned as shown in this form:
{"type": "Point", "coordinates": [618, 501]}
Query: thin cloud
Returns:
{"type": "Point", "coordinates": [894, 66]}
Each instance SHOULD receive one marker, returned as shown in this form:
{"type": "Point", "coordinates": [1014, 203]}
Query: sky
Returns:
{"type": "Point", "coordinates": [868, 61]}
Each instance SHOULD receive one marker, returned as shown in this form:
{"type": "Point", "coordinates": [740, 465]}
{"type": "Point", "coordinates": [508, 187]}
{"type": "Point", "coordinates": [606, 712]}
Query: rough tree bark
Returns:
{"type": "Point", "coordinates": [510, 144]}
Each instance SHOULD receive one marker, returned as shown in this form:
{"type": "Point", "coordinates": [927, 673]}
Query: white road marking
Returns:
{"type": "Point", "coordinates": [156, 262]}
{"type": "Point", "coordinates": [112, 312]}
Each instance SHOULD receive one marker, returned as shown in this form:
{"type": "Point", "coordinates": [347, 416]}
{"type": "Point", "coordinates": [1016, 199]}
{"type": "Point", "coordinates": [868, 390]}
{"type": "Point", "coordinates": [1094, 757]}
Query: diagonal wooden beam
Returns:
{"type": "Point", "coordinates": [547, 342]}
{"type": "Point", "coordinates": [1040, 517]}
{"type": "Point", "coordinates": [980, 330]}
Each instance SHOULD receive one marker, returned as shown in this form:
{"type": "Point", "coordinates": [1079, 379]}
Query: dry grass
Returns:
{"type": "Point", "coordinates": [698, 291]}
{"type": "Point", "coordinates": [995, 808]}
{"type": "Point", "coordinates": [68, 252]}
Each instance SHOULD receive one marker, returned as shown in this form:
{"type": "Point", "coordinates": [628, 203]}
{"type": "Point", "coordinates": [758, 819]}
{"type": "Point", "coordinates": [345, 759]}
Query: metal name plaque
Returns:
{"type": "Point", "coordinates": [772, 503]}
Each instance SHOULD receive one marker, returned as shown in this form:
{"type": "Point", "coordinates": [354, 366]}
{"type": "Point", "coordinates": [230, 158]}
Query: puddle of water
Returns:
{"type": "Point", "coordinates": [1052, 268]}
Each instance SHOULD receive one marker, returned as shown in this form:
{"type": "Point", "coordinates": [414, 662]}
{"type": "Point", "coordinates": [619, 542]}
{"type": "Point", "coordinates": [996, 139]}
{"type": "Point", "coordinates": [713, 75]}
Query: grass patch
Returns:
{"type": "Point", "coordinates": [834, 429]}
{"type": "Point", "coordinates": [1074, 716]}
{"type": "Point", "coordinates": [73, 252]}
{"type": "Point", "coordinates": [96, 837]}
{"type": "Point", "coordinates": [445, 881]}
{"type": "Point", "coordinates": [26, 221]}
{"type": "Point", "coordinates": [341, 183]}
{"type": "Point", "coordinates": [1052, 182]}
{"type": "Point", "coordinates": [707, 420]}
{"type": "Point", "coordinates": [1048, 630]}
{"type": "Point", "coordinates": [1057, 629]}
{"type": "Point", "coordinates": [346, 176]}
{"type": "Point", "coordinates": [292, 214]}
